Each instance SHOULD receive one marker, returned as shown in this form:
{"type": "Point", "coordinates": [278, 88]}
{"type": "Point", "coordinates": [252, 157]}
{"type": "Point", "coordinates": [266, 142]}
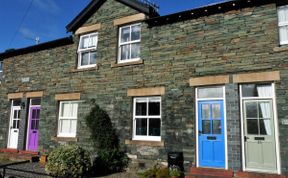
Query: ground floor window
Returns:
{"type": "Point", "coordinates": [67, 118]}
{"type": "Point", "coordinates": [147, 118]}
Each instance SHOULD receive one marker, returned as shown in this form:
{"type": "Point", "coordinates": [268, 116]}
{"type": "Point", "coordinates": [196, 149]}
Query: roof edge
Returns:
{"type": "Point", "coordinates": [206, 11]}
{"type": "Point", "coordinates": [43, 46]}
{"type": "Point", "coordinates": [94, 5]}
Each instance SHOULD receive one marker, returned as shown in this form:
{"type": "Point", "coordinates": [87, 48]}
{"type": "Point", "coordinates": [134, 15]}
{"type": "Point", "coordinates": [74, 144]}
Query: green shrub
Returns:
{"type": "Point", "coordinates": [68, 161]}
{"type": "Point", "coordinates": [163, 172]}
{"type": "Point", "coordinates": [157, 171]}
{"type": "Point", "coordinates": [174, 171]}
{"type": "Point", "coordinates": [109, 157]}
{"type": "Point", "coordinates": [101, 129]}
{"type": "Point", "coordinates": [109, 161]}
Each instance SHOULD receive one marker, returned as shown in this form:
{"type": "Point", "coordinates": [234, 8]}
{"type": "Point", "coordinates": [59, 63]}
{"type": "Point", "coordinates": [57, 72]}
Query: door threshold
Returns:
{"type": "Point", "coordinates": [217, 168]}
{"type": "Point", "coordinates": [205, 171]}
{"type": "Point", "coordinates": [260, 171]}
{"type": "Point", "coordinates": [250, 174]}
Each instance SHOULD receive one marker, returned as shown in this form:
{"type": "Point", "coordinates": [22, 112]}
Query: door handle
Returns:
{"type": "Point", "coordinates": [246, 138]}
{"type": "Point", "coordinates": [199, 132]}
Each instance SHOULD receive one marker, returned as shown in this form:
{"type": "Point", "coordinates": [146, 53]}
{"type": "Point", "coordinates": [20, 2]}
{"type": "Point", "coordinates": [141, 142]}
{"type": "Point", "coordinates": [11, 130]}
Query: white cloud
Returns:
{"type": "Point", "coordinates": [27, 33]}
{"type": "Point", "coordinates": [47, 5]}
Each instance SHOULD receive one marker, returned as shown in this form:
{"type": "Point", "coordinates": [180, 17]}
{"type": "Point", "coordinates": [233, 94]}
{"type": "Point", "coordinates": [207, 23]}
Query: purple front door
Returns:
{"type": "Point", "coordinates": [33, 128]}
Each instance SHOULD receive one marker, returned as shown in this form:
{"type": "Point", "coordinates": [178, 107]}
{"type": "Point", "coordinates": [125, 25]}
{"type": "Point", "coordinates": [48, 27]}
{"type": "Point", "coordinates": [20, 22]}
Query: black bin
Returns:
{"type": "Point", "coordinates": [176, 159]}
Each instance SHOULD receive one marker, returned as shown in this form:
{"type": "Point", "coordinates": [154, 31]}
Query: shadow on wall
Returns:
{"type": "Point", "coordinates": [110, 158]}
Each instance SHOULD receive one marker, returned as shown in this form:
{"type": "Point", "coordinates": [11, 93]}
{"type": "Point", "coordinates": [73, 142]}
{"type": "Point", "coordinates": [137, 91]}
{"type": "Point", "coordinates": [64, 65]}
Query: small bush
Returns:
{"type": "Point", "coordinates": [174, 171]}
{"type": "Point", "coordinates": [109, 161]}
{"type": "Point", "coordinates": [157, 171]}
{"type": "Point", "coordinates": [109, 157]}
{"type": "Point", "coordinates": [68, 161]}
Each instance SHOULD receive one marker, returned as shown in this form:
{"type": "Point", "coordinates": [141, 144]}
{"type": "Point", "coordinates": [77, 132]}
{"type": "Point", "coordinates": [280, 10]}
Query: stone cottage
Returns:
{"type": "Point", "coordinates": [209, 82]}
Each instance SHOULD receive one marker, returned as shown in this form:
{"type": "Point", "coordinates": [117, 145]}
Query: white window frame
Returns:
{"type": "Point", "coordinates": [1, 68]}
{"type": "Point", "coordinates": [276, 129]}
{"type": "Point", "coordinates": [282, 24]}
{"type": "Point", "coordinates": [147, 137]}
{"type": "Point", "coordinates": [59, 134]}
{"type": "Point", "coordinates": [126, 43]}
{"type": "Point", "coordinates": [89, 49]}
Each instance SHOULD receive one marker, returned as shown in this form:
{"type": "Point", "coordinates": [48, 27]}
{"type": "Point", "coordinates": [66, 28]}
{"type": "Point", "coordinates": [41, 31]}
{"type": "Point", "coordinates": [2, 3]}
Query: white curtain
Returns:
{"type": "Point", "coordinates": [93, 41]}
{"type": "Point", "coordinates": [85, 42]}
{"type": "Point", "coordinates": [266, 91]}
{"type": "Point", "coordinates": [283, 24]}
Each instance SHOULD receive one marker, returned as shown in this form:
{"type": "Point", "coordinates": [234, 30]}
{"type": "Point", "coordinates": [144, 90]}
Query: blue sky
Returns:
{"type": "Point", "coordinates": [47, 19]}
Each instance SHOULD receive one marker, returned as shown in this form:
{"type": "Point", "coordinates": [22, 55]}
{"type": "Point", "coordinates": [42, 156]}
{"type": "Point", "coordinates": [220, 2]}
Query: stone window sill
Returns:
{"type": "Point", "coordinates": [113, 65]}
{"type": "Point", "coordinates": [83, 69]}
{"type": "Point", "coordinates": [281, 48]}
{"type": "Point", "coordinates": [64, 139]}
{"type": "Point", "coordinates": [145, 143]}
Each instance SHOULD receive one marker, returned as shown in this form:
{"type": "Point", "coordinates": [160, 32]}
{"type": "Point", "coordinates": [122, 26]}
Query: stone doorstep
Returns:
{"type": "Point", "coordinates": [241, 174]}
{"type": "Point", "coordinates": [221, 173]}
{"type": "Point", "coordinates": [208, 172]}
{"type": "Point", "coordinates": [8, 150]}
{"type": "Point", "coordinates": [19, 155]}
{"type": "Point", "coordinates": [28, 152]}
{"type": "Point", "coordinates": [200, 176]}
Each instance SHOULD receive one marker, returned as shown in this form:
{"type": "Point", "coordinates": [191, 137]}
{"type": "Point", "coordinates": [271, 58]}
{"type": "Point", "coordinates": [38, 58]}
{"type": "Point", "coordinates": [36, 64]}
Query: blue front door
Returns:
{"type": "Point", "coordinates": [211, 139]}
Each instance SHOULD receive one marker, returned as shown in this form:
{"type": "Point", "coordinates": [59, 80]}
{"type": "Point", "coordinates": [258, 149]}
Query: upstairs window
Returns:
{"type": "Point", "coordinates": [129, 43]}
{"type": "Point", "coordinates": [87, 50]}
{"type": "Point", "coordinates": [283, 24]}
{"type": "Point", "coordinates": [1, 66]}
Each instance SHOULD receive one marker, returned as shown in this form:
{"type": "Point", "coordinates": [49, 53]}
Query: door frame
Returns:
{"type": "Point", "coordinates": [28, 121]}
{"type": "Point", "coordinates": [11, 122]}
{"type": "Point", "coordinates": [276, 130]}
{"type": "Point", "coordinates": [225, 125]}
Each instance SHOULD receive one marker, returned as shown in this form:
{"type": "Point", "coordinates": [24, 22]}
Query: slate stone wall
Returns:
{"type": "Point", "coordinates": [4, 112]}
{"type": "Point", "coordinates": [233, 127]}
{"type": "Point", "coordinates": [234, 42]}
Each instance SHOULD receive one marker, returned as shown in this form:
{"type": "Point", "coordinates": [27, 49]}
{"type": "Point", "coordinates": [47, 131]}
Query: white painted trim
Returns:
{"type": "Point", "coordinates": [242, 129]}
{"type": "Point", "coordinates": [10, 123]}
{"type": "Point", "coordinates": [28, 127]}
{"type": "Point", "coordinates": [146, 138]}
{"type": "Point", "coordinates": [276, 130]}
{"type": "Point", "coordinates": [225, 122]}
{"type": "Point", "coordinates": [197, 130]}
{"type": "Point", "coordinates": [87, 66]}
{"type": "Point", "coordinates": [89, 49]}
{"type": "Point", "coordinates": [225, 128]}
{"type": "Point", "coordinates": [119, 61]}
{"type": "Point", "coordinates": [210, 99]}
{"type": "Point", "coordinates": [1, 66]}
{"type": "Point", "coordinates": [67, 118]}
{"type": "Point", "coordinates": [281, 24]}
